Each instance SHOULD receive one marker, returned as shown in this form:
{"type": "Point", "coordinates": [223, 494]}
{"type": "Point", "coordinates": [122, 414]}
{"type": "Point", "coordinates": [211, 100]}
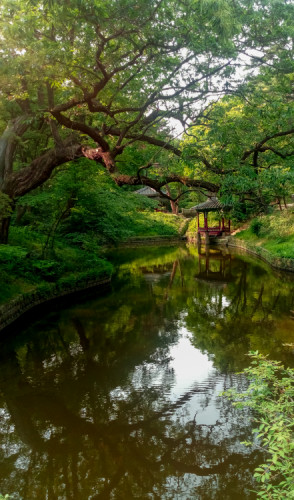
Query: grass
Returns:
{"type": "Point", "coordinates": [274, 233]}
{"type": "Point", "coordinates": [148, 224]}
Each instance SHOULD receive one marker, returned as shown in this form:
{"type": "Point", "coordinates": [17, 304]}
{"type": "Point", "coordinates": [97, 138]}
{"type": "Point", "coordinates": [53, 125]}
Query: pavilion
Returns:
{"type": "Point", "coordinates": [212, 204]}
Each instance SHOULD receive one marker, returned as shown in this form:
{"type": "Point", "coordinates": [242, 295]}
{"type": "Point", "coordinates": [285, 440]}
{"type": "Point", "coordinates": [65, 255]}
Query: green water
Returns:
{"type": "Point", "coordinates": [115, 395]}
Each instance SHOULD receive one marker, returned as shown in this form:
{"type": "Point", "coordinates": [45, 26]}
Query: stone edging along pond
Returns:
{"type": "Point", "coordinates": [15, 308]}
{"type": "Point", "coordinates": [151, 240]}
{"type": "Point", "coordinates": [282, 263]}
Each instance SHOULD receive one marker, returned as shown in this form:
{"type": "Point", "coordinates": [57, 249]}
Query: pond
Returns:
{"type": "Point", "coordinates": [115, 394]}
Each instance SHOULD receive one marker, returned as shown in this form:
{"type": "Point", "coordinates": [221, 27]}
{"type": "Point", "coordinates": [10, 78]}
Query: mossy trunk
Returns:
{"type": "Point", "coordinates": [4, 230]}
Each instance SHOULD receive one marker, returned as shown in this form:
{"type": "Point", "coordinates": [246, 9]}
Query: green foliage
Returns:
{"type": "Point", "coordinates": [23, 269]}
{"type": "Point", "coordinates": [222, 147]}
{"type": "Point", "coordinates": [5, 206]}
{"type": "Point", "coordinates": [92, 211]}
{"type": "Point", "coordinates": [61, 50]}
{"type": "Point", "coordinates": [192, 228]}
{"type": "Point", "coordinates": [12, 254]}
{"type": "Point", "coordinates": [17, 261]}
{"type": "Point", "coordinates": [154, 224]}
{"type": "Point", "coordinates": [273, 232]}
{"type": "Point", "coordinates": [271, 396]}
{"type": "Point", "coordinates": [65, 224]}
{"type": "Point", "coordinates": [67, 67]}
{"type": "Point", "coordinates": [255, 226]}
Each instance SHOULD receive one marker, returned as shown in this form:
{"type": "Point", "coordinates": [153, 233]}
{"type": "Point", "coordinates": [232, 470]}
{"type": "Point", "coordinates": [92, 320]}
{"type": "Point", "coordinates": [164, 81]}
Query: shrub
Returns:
{"type": "Point", "coordinates": [12, 253]}
{"type": "Point", "coordinates": [271, 395]}
{"type": "Point", "coordinates": [255, 226]}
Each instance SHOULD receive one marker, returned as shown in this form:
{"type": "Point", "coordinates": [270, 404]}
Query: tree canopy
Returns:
{"type": "Point", "coordinates": [94, 79]}
{"type": "Point", "coordinates": [247, 141]}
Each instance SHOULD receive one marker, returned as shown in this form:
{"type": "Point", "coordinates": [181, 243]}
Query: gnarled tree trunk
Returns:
{"type": "Point", "coordinates": [4, 229]}
{"type": "Point", "coordinates": [16, 184]}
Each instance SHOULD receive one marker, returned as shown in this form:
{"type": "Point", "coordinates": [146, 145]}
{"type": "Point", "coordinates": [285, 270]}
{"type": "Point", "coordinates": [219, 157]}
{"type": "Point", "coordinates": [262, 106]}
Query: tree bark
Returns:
{"type": "Point", "coordinates": [4, 229]}
{"type": "Point", "coordinates": [8, 144]}
{"type": "Point", "coordinates": [173, 204]}
{"type": "Point", "coordinates": [122, 180]}
{"type": "Point", "coordinates": [34, 175]}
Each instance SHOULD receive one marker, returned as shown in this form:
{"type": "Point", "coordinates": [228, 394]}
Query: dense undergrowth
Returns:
{"type": "Point", "coordinates": [62, 230]}
{"type": "Point", "coordinates": [274, 232]}
{"type": "Point", "coordinates": [24, 267]}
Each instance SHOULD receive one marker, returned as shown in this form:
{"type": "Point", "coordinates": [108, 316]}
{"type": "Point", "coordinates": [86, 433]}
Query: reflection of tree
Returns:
{"type": "Point", "coordinates": [88, 390]}
{"type": "Point", "coordinates": [239, 316]}
{"type": "Point", "coordinates": [127, 437]}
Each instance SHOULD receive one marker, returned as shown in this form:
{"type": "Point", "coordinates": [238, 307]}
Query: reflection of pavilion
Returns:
{"type": "Point", "coordinates": [214, 267]}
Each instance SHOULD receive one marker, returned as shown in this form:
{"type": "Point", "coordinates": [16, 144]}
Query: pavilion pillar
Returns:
{"type": "Point", "coordinates": [223, 224]}
{"type": "Point", "coordinates": [206, 229]}
{"type": "Point", "coordinates": [198, 234]}
{"type": "Point", "coordinates": [205, 222]}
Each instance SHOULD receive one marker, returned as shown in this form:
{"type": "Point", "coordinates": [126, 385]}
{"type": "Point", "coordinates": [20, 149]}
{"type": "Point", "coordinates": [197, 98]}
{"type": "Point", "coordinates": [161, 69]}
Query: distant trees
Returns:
{"type": "Point", "coordinates": [247, 141]}
{"type": "Point", "coordinates": [82, 79]}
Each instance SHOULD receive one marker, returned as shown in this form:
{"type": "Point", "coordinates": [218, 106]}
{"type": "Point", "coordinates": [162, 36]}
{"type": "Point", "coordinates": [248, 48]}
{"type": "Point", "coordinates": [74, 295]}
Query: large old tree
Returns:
{"type": "Point", "coordinates": [92, 78]}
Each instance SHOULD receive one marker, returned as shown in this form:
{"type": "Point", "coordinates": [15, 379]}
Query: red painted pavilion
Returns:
{"type": "Point", "coordinates": [213, 205]}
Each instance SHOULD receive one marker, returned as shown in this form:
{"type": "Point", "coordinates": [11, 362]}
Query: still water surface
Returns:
{"type": "Point", "coordinates": [116, 396]}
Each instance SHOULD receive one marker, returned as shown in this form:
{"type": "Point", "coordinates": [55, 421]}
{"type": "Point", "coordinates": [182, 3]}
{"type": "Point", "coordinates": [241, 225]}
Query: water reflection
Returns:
{"type": "Point", "coordinates": [214, 266]}
{"type": "Point", "coordinates": [117, 397]}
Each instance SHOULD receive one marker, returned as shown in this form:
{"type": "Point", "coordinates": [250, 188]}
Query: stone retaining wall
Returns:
{"type": "Point", "coordinates": [15, 308]}
{"type": "Point", "coordinates": [151, 241]}
{"type": "Point", "coordinates": [282, 263]}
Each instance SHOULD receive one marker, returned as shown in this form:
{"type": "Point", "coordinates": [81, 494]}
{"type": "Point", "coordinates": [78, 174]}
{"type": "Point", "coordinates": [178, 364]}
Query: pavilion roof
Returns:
{"type": "Point", "coordinates": [209, 205]}
{"type": "Point", "coordinates": [147, 191]}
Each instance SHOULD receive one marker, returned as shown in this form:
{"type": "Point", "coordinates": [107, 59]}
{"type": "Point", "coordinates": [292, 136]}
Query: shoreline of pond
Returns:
{"type": "Point", "coordinates": [280, 263]}
{"type": "Point", "coordinates": [285, 264]}
{"type": "Point", "coordinates": [12, 310]}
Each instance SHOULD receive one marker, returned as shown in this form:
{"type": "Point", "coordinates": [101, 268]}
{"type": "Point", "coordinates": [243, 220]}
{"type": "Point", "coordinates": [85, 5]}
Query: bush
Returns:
{"type": "Point", "coordinates": [10, 253]}
{"type": "Point", "coordinates": [255, 226]}
{"type": "Point", "coordinates": [192, 228]}
{"type": "Point", "coordinates": [271, 395]}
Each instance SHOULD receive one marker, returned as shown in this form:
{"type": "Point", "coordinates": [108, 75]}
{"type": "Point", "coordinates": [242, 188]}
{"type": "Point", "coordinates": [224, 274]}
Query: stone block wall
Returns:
{"type": "Point", "coordinates": [15, 308]}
